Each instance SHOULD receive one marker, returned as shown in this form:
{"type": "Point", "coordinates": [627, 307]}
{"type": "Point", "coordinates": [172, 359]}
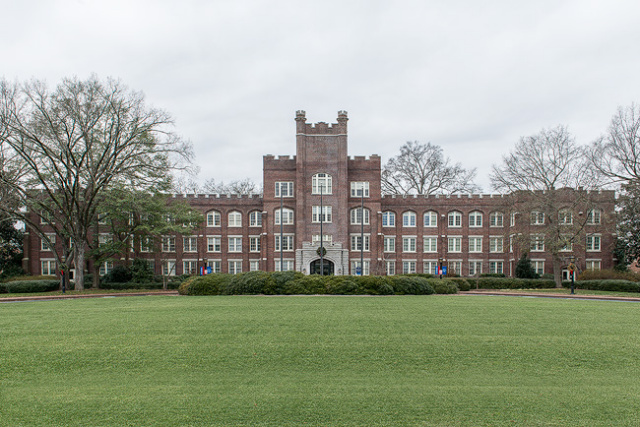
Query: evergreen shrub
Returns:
{"type": "Point", "coordinates": [610, 285]}
{"type": "Point", "coordinates": [609, 274]}
{"type": "Point", "coordinates": [443, 286]}
{"type": "Point", "coordinates": [462, 283]}
{"type": "Point", "coordinates": [29, 286]}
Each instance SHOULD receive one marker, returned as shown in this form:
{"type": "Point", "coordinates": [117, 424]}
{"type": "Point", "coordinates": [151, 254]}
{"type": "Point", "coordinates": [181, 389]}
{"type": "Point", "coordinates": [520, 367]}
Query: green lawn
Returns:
{"type": "Point", "coordinates": [327, 361]}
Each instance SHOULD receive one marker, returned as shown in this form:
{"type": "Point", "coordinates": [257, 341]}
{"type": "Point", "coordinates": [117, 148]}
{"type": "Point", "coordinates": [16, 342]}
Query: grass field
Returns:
{"type": "Point", "coordinates": [329, 361]}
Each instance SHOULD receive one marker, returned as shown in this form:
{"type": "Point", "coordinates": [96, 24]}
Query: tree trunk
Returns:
{"type": "Point", "coordinates": [557, 270]}
{"type": "Point", "coordinates": [79, 261]}
{"type": "Point", "coordinates": [96, 276]}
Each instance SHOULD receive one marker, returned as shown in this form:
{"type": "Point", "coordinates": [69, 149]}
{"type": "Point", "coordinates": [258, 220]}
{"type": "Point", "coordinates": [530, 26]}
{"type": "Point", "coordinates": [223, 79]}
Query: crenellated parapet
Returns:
{"type": "Point", "coordinates": [321, 128]}
{"type": "Point", "coordinates": [272, 162]}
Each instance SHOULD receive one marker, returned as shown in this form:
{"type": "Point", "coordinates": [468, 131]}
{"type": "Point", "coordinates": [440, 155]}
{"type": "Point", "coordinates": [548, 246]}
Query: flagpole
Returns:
{"type": "Point", "coordinates": [321, 237]}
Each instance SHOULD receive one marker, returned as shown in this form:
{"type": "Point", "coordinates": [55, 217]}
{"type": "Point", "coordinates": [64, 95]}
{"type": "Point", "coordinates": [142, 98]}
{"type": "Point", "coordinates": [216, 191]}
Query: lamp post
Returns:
{"type": "Point", "coordinates": [321, 231]}
{"type": "Point", "coordinates": [362, 229]}
{"type": "Point", "coordinates": [572, 269]}
{"type": "Point", "coordinates": [440, 267]}
{"type": "Point", "coordinates": [281, 231]}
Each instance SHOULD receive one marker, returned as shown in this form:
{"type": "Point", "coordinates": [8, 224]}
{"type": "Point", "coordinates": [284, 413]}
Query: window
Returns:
{"type": "Point", "coordinates": [388, 219]}
{"type": "Point", "coordinates": [496, 219]}
{"type": "Point", "coordinates": [566, 242]}
{"type": "Point", "coordinates": [46, 217]}
{"type": "Point", "coordinates": [146, 242]}
{"type": "Point", "coordinates": [48, 267]}
{"type": "Point", "coordinates": [475, 219]}
{"type": "Point", "coordinates": [168, 244]}
{"type": "Point", "coordinates": [44, 245]}
{"type": "Point", "coordinates": [235, 267]}
{"type": "Point", "coordinates": [496, 267]}
{"type": "Point", "coordinates": [169, 268]}
{"type": "Point", "coordinates": [430, 219]}
{"type": "Point", "coordinates": [190, 244]}
{"type": "Point", "coordinates": [455, 267]}
{"type": "Point", "coordinates": [235, 244]}
{"type": "Point", "coordinates": [455, 244]}
{"type": "Point", "coordinates": [189, 266]}
{"type": "Point", "coordinates": [358, 187]}
{"type": "Point", "coordinates": [215, 265]}
{"type": "Point", "coordinates": [356, 242]}
{"type": "Point", "coordinates": [213, 219]}
{"type": "Point", "coordinates": [355, 264]}
{"type": "Point", "coordinates": [356, 216]}
{"type": "Point", "coordinates": [496, 244]}
{"type": "Point", "coordinates": [475, 267]}
{"type": "Point", "coordinates": [104, 239]}
{"type": "Point", "coordinates": [255, 219]}
{"type": "Point", "coordinates": [287, 242]}
{"type": "Point", "coordinates": [287, 265]}
{"type": "Point", "coordinates": [286, 214]}
{"type": "Point", "coordinates": [565, 217]}
{"type": "Point", "coordinates": [409, 244]}
{"type": "Point", "coordinates": [102, 218]}
{"type": "Point", "coordinates": [408, 267]}
{"type": "Point", "coordinates": [593, 264]}
{"type": "Point", "coordinates": [430, 244]}
{"type": "Point", "coordinates": [214, 244]}
{"type": "Point", "coordinates": [455, 219]}
{"type": "Point", "coordinates": [105, 268]}
{"type": "Point", "coordinates": [326, 214]}
{"type": "Point", "coordinates": [538, 266]}
{"type": "Point", "coordinates": [254, 244]}
{"type": "Point", "coordinates": [389, 244]}
{"type": "Point", "coordinates": [594, 216]}
{"type": "Point", "coordinates": [593, 243]}
{"type": "Point", "coordinates": [328, 238]}
{"type": "Point", "coordinates": [430, 267]}
{"type": "Point", "coordinates": [254, 265]}
{"type": "Point", "coordinates": [284, 189]}
{"type": "Point", "coordinates": [409, 219]}
{"type": "Point", "coordinates": [537, 218]}
{"type": "Point", "coordinates": [513, 218]}
{"type": "Point", "coordinates": [475, 244]}
{"type": "Point", "coordinates": [321, 181]}
{"type": "Point", "coordinates": [537, 243]}
{"type": "Point", "coordinates": [235, 219]}
{"type": "Point", "coordinates": [390, 267]}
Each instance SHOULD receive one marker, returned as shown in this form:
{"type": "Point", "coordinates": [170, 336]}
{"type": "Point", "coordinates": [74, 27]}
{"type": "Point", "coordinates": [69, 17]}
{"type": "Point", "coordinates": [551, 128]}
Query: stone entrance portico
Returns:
{"type": "Point", "coordinates": [335, 253]}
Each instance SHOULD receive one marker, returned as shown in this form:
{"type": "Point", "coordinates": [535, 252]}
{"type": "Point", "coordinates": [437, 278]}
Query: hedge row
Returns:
{"type": "Point", "coordinates": [28, 286]}
{"type": "Point", "coordinates": [607, 285]}
{"type": "Point", "coordinates": [295, 283]}
{"type": "Point", "coordinates": [609, 275]}
{"type": "Point", "coordinates": [510, 283]}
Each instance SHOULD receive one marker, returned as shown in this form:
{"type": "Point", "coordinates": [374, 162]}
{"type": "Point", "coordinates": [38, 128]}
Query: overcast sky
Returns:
{"type": "Point", "coordinates": [470, 76]}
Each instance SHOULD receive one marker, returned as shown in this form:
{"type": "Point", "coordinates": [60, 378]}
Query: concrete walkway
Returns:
{"type": "Point", "coordinates": [70, 296]}
{"type": "Point", "coordinates": [635, 298]}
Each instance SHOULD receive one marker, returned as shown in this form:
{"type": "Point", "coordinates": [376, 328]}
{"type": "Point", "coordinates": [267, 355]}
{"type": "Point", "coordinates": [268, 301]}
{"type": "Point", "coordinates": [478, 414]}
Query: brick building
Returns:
{"type": "Point", "coordinates": [321, 191]}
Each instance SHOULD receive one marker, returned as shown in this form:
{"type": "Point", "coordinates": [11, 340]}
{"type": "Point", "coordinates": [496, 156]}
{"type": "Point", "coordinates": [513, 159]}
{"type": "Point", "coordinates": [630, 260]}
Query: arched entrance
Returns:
{"type": "Point", "coordinates": [327, 266]}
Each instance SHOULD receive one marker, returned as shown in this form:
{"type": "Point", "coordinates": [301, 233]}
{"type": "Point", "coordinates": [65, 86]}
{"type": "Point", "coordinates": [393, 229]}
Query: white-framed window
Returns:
{"type": "Point", "coordinates": [389, 244]}
{"type": "Point", "coordinates": [255, 219]}
{"type": "Point", "coordinates": [475, 244]}
{"type": "Point", "coordinates": [594, 216]}
{"type": "Point", "coordinates": [103, 218]}
{"type": "Point", "coordinates": [356, 242]}
{"type": "Point", "coordinates": [593, 264]}
{"type": "Point", "coordinates": [146, 243]}
{"type": "Point", "coordinates": [357, 188]}
{"type": "Point", "coordinates": [593, 242]}
{"type": "Point", "coordinates": [475, 267]}
{"type": "Point", "coordinates": [496, 219]}
{"type": "Point", "coordinates": [189, 266]}
{"type": "Point", "coordinates": [169, 267]}
{"type": "Point", "coordinates": [45, 217]}
{"type": "Point", "coordinates": [454, 267]}
{"type": "Point", "coordinates": [284, 189]}
{"type": "Point", "coordinates": [104, 239]}
{"type": "Point", "coordinates": [321, 181]}
{"type": "Point", "coordinates": [214, 244]}
{"type": "Point", "coordinates": [235, 219]}
{"type": "Point", "coordinates": [315, 238]}
{"type": "Point", "coordinates": [567, 243]}
{"type": "Point", "coordinates": [475, 219]}
{"type": "Point", "coordinates": [190, 244]}
{"type": "Point", "coordinates": [430, 219]}
{"type": "Point", "coordinates": [390, 268]}
{"type": "Point", "coordinates": [287, 242]}
{"type": "Point", "coordinates": [286, 214]}
{"type": "Point", "coordinates": [356, 216]}
{"type": "Point", "coordinates": [105, 268]}
{"type": "Point", "coordinates": [537, 218]}
{"type": "Point", "coordinates": [356, 263]}
{"type": "Point", "coordinates": [326, 214]}
{"type": "Point", "coordinates": [496, 267]}
{"type": "Point", "coordinates": [565, 217]}
{"type": "Point", "coordinates": [513, 218]}
{"type": "Point", "coordinates": [409, 219]}
{"type": "Point", "coordinates": [44, 246]}
{"type": "Point", "coordinates": [235, 244]}
{"type": "Point", "coordinates": [254, 244]}
{"type": "Point", "coordinates": [409, 243]}
{"type": "Point", "coordinates": [496, 244]}
{"type": "Point", "coordinates": [254, 265]}
{"type": "Point", "coordinates": [537, 243]}
{"type": "Point", "coordinates": [168, 244]}
{"type": "Point", "coordinates": [538, 266]}
{"type": "Point", "coordinates": [455, 244]}
{"type": "Point", "coordinates": [215, 264]}
{"type": "Point", "coordinates": [455, 219]}
{"type": "Point", "coordinates": [287, 265]}
{"type": "Point", "coordinates": [213, 219]}
{"type": "Point", "coordinates": [48, 267]}
{"type": "Point", "coordinates": [430, 244]}
{"type": "Point", "coordinates": [235, 266]}
{"type": "Point", "coordinates": [430, 267]}
{"type": "Point", "coordinates": [388, 219]}
{"type": "Point", "coordinates": [408, 267]}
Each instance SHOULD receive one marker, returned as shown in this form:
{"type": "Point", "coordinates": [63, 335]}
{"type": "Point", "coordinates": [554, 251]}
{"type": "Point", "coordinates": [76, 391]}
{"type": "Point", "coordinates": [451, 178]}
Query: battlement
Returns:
{"type": "Point", "coordinates": [321, 128]}
{"type": "Point", "coordinates": [442, 196]}
{"type": "Point", "coordinates": [284, 162]}
{"type": "Point", "coordinates": [217, 196]}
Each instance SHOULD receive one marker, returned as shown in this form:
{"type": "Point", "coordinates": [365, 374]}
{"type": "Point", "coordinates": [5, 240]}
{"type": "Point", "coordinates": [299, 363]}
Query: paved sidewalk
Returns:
{"type": "Point", "coordinates": [70, 296]}
{"type": "Point", "coordinates": [551, 295]}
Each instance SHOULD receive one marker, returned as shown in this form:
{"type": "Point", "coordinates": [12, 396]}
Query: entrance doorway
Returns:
{"type": "Point", "coordinates": [327, 266]}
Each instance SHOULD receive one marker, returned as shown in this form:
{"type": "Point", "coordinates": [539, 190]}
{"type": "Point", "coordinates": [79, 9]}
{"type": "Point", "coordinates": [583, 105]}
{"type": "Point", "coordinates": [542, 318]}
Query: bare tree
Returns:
{"type": "Point", "coordinates": [423, 169]}
{"type": "Point", "coordinates": [75, 143]}
{"type": "Point", "coordinates": [243, 186]}
{"type": "Point", "coordinates": [547, 176]}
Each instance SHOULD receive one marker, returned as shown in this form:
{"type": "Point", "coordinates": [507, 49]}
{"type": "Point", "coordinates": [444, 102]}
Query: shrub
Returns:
{"type": "Point", "coordinates": [443, 286]}
{"type": "Point", "coordinates": [492, 275]}
{"type": "Point", "coordinates": [373, 285]}
{"type": "Point", "coordinates": [119, 274]}
{"type": "Point", "coordinates": [211, 284]}
{"type": "Point", "coordinates": [249, 283]}
{"type": "Point", "coordinates": [411, 284]}
{"type": "Point", "coordinates": [31, 278]}
{"type": "Point", "coordinates": [277, 281]}
{"type": "Point", "coordinates": [462, 283]}
{"type": "Point", "coordinates": [524, 269]}
{"type": "Point", "coordinates": [608, 285]}
{"type": "Point", "coordinates": [28, 286]}
{"type": "Point", "coordinates": [341, 285]}
{"type": "Point", "coordinates": [310, 285]}
{"type": "Point", "coordinates": [609, 274]}
{"type": "Point", "coordinates": [141, 271]}
{"type": "Point", "coordinates": [513, 283]}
